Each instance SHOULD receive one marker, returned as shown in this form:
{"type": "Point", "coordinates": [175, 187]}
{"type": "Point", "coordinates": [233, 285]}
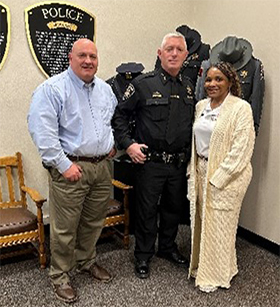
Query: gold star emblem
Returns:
{"type": "Point", "coordinates": [189, 90]}
{"type": "Point", "coordinates": [244, 73]}
{"type": "Point", "coordinates": [194, 56]}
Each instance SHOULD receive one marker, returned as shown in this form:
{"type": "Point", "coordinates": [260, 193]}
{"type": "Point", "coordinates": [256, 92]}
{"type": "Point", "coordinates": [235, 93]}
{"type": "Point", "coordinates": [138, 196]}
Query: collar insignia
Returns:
{"type": "Point", "coordinates": [164, 76]}
{"type": "Point", "coordinates": [244, 73]}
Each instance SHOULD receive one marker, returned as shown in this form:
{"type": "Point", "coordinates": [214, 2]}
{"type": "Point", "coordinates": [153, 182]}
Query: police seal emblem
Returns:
{"type": "Point", "coordinates": [52, 28]}
{"type": "Point", "coordinates": [4, 33]}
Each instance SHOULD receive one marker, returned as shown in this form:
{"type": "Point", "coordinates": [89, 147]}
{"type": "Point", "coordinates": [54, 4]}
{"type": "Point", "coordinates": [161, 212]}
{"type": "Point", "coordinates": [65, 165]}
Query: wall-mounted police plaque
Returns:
{"type": "Point", "coordinates": [52, 28]}
{"type": "Point", "coordinates": [4, 32]}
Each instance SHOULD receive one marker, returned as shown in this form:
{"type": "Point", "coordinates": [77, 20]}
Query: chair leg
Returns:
{"type": "Point", "coordinates": [126, 241]}
{"type": "Point", "coordinates": [42, 256]}
{"type": "Point", "coordinates": [42, 249]}
{"type": "Point", "coordinates": [126, 221]}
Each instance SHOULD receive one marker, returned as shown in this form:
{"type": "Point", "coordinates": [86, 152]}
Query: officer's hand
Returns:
{"type": "Point", "coordinates": [135, 153]}
{"type": "Point", "coordinates": [74, 172]}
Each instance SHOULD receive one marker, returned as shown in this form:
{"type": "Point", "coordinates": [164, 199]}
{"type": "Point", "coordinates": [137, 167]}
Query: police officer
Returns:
{"type": "Point", "coordinates": [163, 102]}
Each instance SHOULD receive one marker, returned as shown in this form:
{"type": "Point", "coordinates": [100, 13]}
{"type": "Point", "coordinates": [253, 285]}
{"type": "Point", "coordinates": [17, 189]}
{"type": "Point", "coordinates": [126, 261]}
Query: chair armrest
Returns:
{"type": "Point", "coordinates": [121, 185]}
{"type": "Point", "coordinates": [34, 194]}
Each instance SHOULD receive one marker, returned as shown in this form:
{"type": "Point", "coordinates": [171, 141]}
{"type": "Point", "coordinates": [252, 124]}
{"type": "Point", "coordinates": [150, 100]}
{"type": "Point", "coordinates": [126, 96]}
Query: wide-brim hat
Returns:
{"type": "Point", "coordinates": [192, 37]}
{"type": "Point", "coordinates": [236, 51]}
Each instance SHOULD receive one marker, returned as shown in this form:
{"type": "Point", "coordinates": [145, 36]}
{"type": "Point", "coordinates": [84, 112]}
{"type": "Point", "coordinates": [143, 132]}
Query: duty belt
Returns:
{"type": "Point", "coordinates": [167, 158]}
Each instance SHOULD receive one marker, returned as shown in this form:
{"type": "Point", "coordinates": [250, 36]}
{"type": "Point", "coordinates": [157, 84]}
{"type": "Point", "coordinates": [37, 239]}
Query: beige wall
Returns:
{"type": "Point", "coordinates": [131, 30]}
{"type": "Point", "coordinates": [258, 22]}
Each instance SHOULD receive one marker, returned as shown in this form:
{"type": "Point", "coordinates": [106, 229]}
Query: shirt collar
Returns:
{"type": "Point", "coordinates": [78, 81]}
{"type": "Point", "coordinates": [165, 76]}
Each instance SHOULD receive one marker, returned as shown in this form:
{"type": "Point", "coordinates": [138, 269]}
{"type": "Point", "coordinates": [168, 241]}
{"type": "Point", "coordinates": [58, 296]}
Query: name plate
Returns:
{"type": "Point", "coordinates": [4, 32]}
{"type": "Point", "coordinates": [51, 29]}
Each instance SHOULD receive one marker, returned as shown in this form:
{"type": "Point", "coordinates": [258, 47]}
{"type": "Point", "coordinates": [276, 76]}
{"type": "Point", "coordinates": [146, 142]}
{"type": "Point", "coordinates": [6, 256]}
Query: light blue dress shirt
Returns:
{"type": "Point", "coordinates": [69, 116]}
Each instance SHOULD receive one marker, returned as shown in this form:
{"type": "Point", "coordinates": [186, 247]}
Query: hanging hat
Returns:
{"type": "Point", "coordinates": [236, 51]}
{"type": "Point", "coordinates": [130, 67]}
{"type": "Point", "coordinates": [130, 70]}
{"type": "Point", "coordinates": [192, 37]}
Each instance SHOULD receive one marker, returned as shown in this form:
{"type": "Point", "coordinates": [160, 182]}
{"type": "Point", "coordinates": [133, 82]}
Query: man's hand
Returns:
{"type": "Point", "coordinates": [74, 172]}
{"type": "Point", "coordinates": [112, 153]}
{"type": "Point", "coordinates": [135, 153]}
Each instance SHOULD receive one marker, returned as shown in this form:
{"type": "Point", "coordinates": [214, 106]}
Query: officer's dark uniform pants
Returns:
{"type": "Point", "coordinates": [152, 179]}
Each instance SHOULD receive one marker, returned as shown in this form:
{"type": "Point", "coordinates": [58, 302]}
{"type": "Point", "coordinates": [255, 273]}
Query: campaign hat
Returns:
{"type": "Point", "coordinates": [192, 37]}
{"type": "Point", "coordinates": [236, 51]}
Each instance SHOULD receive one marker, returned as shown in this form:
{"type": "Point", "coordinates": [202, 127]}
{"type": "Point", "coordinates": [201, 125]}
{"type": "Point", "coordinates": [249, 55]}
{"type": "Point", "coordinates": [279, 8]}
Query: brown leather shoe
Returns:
{"type": "Point", "coordinates": [100, 274]}
{"type": "Point", "coordinates": [65, 292]}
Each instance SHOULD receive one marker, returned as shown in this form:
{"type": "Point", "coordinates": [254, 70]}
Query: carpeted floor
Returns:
{"type": "Point", "coordinates": [23, 284]}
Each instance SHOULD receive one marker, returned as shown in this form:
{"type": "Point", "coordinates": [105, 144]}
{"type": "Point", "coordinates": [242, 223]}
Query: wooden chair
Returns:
{"type": "Point", "coordinates": [19, 226]}
{"type": "Point", "coordinates": [118, 214]}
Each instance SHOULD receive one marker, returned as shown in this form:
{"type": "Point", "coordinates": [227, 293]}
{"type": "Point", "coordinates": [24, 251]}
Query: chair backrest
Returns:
{"type": "Point", "coordinates": [11, 181]}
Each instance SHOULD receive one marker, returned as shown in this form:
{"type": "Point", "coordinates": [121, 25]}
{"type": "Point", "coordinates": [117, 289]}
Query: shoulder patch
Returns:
{"type": "Point", "coordinates": [130, 90]}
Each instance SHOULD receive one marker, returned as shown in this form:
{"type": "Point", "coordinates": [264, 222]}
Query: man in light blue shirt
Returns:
{"type": "Point", "coordinates": [70, 123]}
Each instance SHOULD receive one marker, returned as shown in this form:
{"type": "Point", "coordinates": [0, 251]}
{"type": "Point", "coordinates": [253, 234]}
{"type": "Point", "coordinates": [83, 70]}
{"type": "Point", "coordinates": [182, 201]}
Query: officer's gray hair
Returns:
{"type": "Point", "coordinates": [175, 34]}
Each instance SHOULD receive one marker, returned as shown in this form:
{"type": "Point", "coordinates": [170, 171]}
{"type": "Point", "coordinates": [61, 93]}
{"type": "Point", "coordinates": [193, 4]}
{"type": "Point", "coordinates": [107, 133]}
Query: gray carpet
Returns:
{"type": "Point", "coordinates": [23, 284]}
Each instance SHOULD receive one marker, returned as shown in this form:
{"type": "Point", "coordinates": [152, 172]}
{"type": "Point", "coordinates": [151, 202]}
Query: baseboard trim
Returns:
{"type": "Point", "coordinates": [258, 240]}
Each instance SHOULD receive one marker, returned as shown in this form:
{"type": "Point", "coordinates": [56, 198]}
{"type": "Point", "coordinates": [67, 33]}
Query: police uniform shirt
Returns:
{"type": "Point", "coordinates": [164, 109]}
{"type": "Point", "coordinates": [126, 72]}
{"type": "Point", "coordinates": [191, 65]}
{"type": "Point", "coordinates": [119, 84]}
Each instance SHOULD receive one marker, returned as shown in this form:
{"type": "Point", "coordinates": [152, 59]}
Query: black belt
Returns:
{"type": "Point", "coordinates": [87, 159]}
{"type": "Point", "coordinates": [167, 158]}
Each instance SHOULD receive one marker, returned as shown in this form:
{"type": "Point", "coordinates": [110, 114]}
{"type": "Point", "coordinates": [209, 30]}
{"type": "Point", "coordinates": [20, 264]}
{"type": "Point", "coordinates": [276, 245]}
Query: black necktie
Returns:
{"type": "Point", "coordinates": [173, 112]}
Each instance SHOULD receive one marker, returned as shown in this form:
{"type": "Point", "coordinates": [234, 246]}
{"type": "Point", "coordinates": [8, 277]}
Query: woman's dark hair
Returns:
{"type": "Point", "coordinates": [228, 70]}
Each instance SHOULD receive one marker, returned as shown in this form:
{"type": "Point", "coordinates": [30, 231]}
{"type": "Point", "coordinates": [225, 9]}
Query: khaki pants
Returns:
{"type": "Point", "coordinates": [77, 213]}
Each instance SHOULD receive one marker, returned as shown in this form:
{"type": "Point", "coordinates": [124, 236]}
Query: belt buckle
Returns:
{"type": "Point", "coordinates": [96, 159]}
{"type": "Point", "coordinates": [167, 158]}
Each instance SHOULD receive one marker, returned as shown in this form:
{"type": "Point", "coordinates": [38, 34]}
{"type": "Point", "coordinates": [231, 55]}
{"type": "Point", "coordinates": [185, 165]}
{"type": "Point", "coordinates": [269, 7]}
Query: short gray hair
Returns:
{"type": "Point", "coordinates": [174, 34]}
